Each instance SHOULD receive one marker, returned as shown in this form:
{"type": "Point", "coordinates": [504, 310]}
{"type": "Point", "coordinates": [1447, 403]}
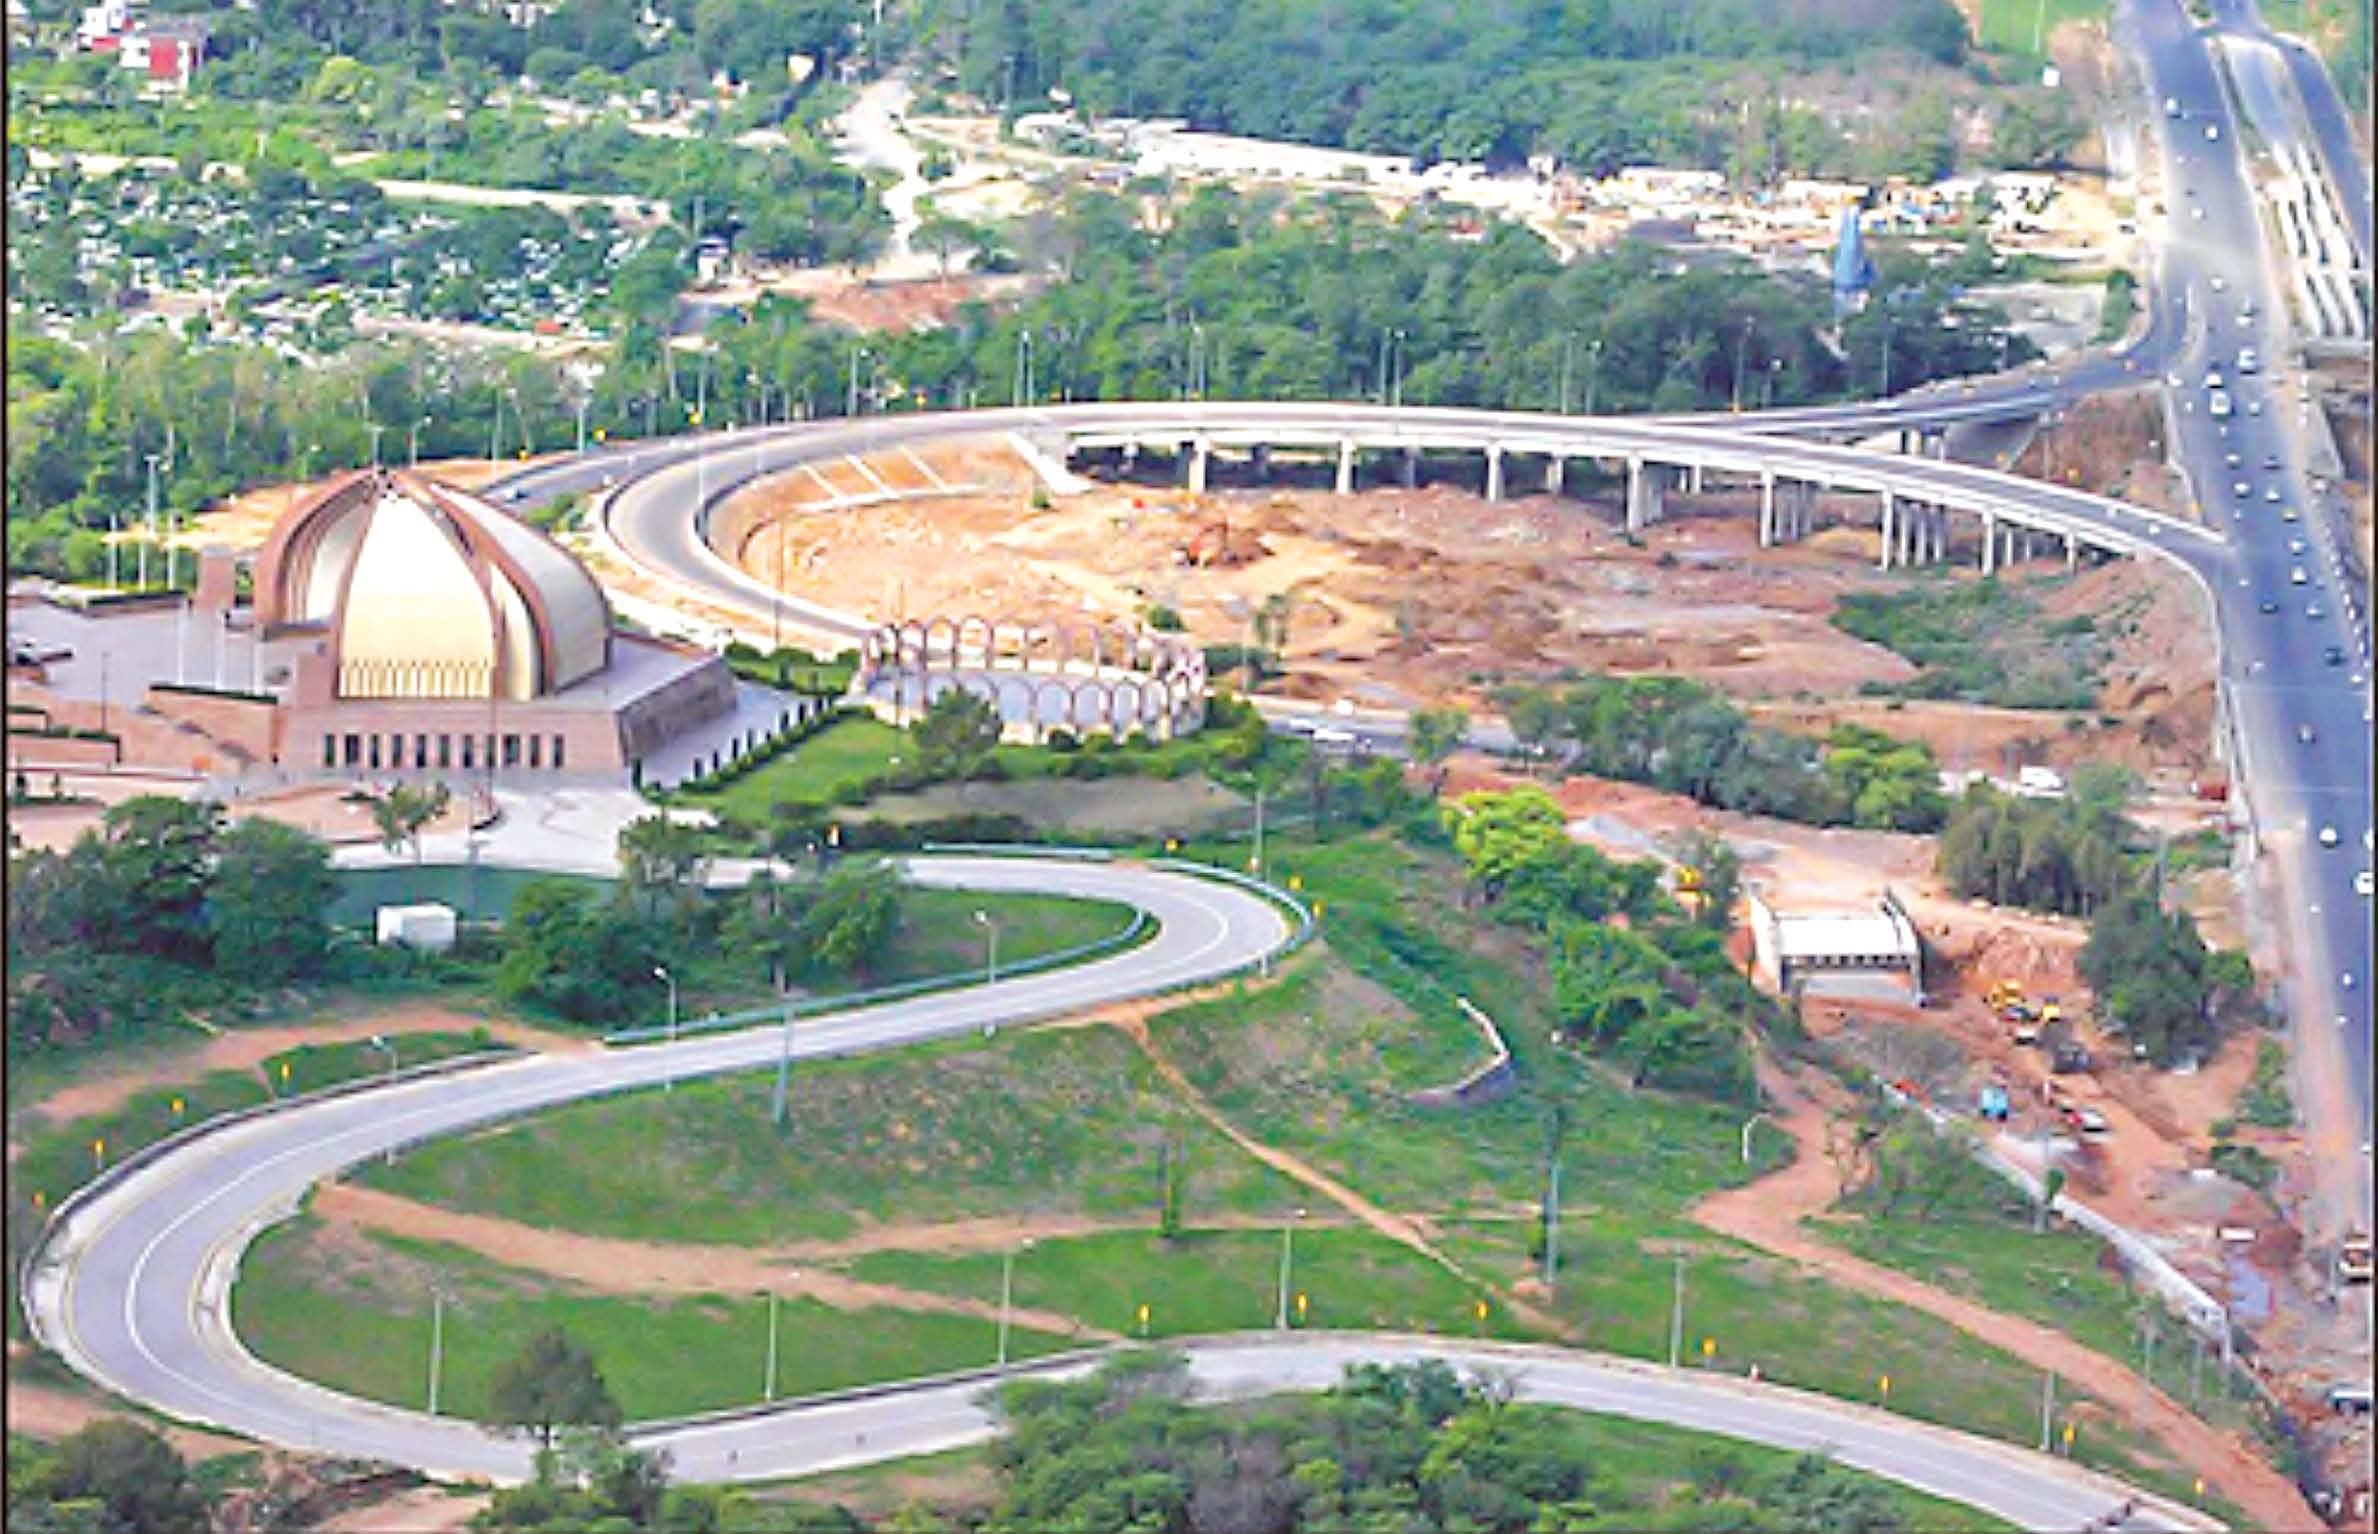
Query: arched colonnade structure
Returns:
{"type": "Point", "coordinates": [1043, 675]}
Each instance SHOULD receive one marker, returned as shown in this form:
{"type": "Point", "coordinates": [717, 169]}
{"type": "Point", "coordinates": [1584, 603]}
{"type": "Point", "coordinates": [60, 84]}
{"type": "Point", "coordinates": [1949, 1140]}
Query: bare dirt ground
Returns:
{"type": "Point", "coordinates": [835, 296]}
{"type": "Point", "coordinates": [416, 1510]}
{"type": "Point", "coordinates": [610, 1266]}
{"type": "Point", "coordinates": [1400, 597]}
{"type": "Point", "coordinates": [1768, 1214]}
{"type": "Point", "coordinates": [247, 1048]}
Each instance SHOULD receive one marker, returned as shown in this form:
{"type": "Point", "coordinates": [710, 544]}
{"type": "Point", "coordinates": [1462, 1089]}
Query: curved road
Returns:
{"type": "Point", "coordinates": [133, 1285]}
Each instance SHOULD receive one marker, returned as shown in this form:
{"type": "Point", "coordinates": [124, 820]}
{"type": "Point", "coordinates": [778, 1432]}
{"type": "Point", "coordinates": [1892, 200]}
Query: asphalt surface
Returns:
{"type": "Point", "coordinates": [133, 1288]}
{"type": "Point", "coordinates": [133, 1285]}
{"type": "Point", "coordinates": [2275, 664]}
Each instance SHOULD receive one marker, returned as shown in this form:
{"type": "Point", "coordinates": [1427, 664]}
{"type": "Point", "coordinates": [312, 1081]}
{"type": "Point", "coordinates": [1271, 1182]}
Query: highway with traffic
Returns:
{"type": "Point", "coordinates": [132, 1282]}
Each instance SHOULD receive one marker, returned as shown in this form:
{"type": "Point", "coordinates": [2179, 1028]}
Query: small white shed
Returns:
{"type": "Point", "coordinates": [428, 926]}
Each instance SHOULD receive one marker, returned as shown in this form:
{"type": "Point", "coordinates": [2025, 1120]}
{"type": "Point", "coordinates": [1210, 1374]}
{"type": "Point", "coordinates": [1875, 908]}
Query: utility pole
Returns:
{"type": "Point", "coordinates": [375, 428]}
{"type": "Point", "coordinates": [780, 1104]}
{"type": "Point", "coordinates": [2047, 1410]}
{"type": "Point", "coordinates": [1568, 356]}
{"type": "Point", "coordinates": [1676, 1317]}
{"type": "Point", "coordinates": [1257, 867]}
{"type": "Point", "coordinates": [150, 533]}
{"type": "Point", "coordinates": [1287, 1268]}
{"type": "Point", "coordinates": [768, 1380]}
{"type": "Point", "coordinates": [1007, 1292]}
{"type": "Point", "coordinates": [1593, 372]}
{"type": "Point", "coordinates": [437, 1343]}
{"type": "Point", "coordinates": [1552, 1219]}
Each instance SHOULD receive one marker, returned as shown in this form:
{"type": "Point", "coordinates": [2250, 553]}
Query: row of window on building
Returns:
{"type": "Point", "coordinates": [375, 752]}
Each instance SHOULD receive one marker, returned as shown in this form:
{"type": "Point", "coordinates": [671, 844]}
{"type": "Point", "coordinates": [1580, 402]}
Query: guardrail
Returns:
{"type": "Point", "coordinates": [1115, 942]}
{"type": "Point", "coordinates": [133, 1161]}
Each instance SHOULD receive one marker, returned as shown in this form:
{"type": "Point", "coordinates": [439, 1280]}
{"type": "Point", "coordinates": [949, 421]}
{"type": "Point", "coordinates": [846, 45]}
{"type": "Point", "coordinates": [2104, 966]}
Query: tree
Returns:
{"type": "Point", "coordinates": [550, 1384]}
{"type": "Point", "coordinates": [404, 812]}
{"type": "Point", "coordinates": [852, 917]}
{"type": "Point", "coordinates": [153, 858]}
{"type": "Point", "coordinates": [1716, 870]}
{"type": "Point", "coordinates": [138, 1481]}
{"type": "Point", "coordinates": [267, 902]}
{"type": "Point", "coordinates": [662, 856]}
{"type": "Point", "coordinates": [1498, 834]}
{"type": "Point", "coordinates": [1435, 734]}
{"type": "Point", "coordinates": [957, 735]}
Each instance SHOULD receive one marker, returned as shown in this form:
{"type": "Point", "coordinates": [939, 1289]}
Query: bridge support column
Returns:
{"type": "Point", "coordinates": [1555, 474]}
{"type": "Point", "coordinates": [1890, 530]}
{"type": "Point", "coordinates": [1766, 508]}
{"type": "Point", "coordinates": [1696, 478]}
{"type": "Point", "coordinates": [1200, 459]}
{"type": "Point", "coordinates": [1411, 468]}
{"type": "Point", "coordinates": [1494, 473]}
{"type": "Point", "coordinates": [1989, 544]}
{"type": "Point", "coordinates": [2072, 554]}
{"type": "Point", "coordinates": [1130, 453]}
{"type": "Point", "coordinates": [1345, 466]}
{"type": "Point", "coordinates": [1262, 455]}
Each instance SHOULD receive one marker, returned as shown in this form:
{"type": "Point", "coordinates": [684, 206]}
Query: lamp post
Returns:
{"type": "Point", "coordinates": [1568, 356]}
{"type": "Point", "coordinates": [768, 1376]}
{"type": "Point", "coordinates": [661, 973]}
{"type": "Point", "coordinates": [1747, 1126]}
{"type": "Point", "coordinates": [413, 442]}
{"type": "Point", "coordinates": [851, 397]}
{"type": "Point", "coordinates": [1593, 372]}
{"type": "Point", "coordinates": [382, 1042]}
{"type": "Point", "coordinates": [149, 533]}
{"type": "Point", "coordinates": [1287, 1267]}
{"type": "Point", "coordinates": [990, 928]}
{"type": "Point", "coordinates": [437, 1342]}
{"type": "Point", "coordinates": [1007, 1292]}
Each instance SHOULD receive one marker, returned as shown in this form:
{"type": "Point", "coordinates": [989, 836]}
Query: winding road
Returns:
{"type": "Point", "coordinates": [132, 1287]}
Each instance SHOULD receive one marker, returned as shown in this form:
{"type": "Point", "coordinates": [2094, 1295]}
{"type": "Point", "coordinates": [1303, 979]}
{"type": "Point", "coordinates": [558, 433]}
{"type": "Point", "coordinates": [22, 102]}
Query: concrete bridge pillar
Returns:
{"type": "Point", "coordinates": [1766, 508]}
{"type": "Point", "coordinates": [1345, 466]}
{"type": "Point", "coordinates": [1263, 460]}
{"type": "Point", "coordinates": [1696, 479]}
{"type": "Point", "coordinates": [1411, 468]}
{"type": "Point", "coordinates": [1643, 491]}
{"type": "Point", "coordinates": [1494, 472]}
{"type": "Point", "coordinates": [1989, 543]}
{"type": "Point", "coordinates": [2072, 554]}
{"type": "Point", "coordinates": [1200, 459]}
{"type": "Point", "coordinates": [1555, 473]}
{"type": "Point", "coordinates": [1890, 530]}
{"type": "Point", "coordinates": [1130, 452]}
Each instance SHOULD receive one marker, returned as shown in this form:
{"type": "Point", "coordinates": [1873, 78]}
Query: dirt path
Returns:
{"type": "Point", "coordinates": [38, 1411]}
{"type": "Point", "coordinates": [1767, 1213]}
{"type": "Point", "coordinates": [416, 1510]}
{"type": "Point", "coordinates": [613, 1266]}
{"type": "Point", "coordinates": [1402, 1229]}
{"type": "Point", "coordinates": [247, 1048]}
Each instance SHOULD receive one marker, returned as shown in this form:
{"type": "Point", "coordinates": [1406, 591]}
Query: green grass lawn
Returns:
{"type": "Point", "coordinates": [1065, 1122]}
{"type": "Point", "coordinates": [2009, 26]}
{"type": "Point", "coordinates": [1214, 1281]}
{"type": "Point", "coordinates": [58, 1158]}
{"type": "Point", "coordinates": [848, 751]}
{"type": "Point", "coordinates": [1984, 1247]}
{"type": "Point", "coordinates": [355, 1314]}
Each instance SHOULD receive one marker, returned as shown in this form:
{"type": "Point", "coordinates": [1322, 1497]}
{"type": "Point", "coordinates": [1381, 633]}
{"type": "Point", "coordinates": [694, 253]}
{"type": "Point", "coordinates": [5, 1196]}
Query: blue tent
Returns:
{"type": "Point", "coordinates": [1853, 269]}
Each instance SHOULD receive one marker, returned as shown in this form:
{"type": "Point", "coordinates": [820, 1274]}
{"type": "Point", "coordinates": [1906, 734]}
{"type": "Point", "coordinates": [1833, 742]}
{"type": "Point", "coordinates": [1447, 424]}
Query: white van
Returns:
{"type": "Point", "coordinates": [2247, 361]}
{"type": "Point", "coordinates": [2218, 404]}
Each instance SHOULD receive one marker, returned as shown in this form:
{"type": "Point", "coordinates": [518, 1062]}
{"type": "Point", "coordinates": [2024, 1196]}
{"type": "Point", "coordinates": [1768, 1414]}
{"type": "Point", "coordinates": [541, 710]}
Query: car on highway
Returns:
{"type": "Point", "coordinates": [2174, 381]}
{"type": "Point", "coordinates": [2305, 734]}
{"type": "Point", "coordinates": [2254, 407]}
{"type": "Point", "coordinates": [2268, 605]}
{"type": "Point", "coordinates": [2212, 133]}
{"type": "Point", "coordinates": [2328, 836]}
{"type": "Point", "coordinates": [2217, 403]}
{"type": "Point", "coordinates": [2334, 655]}
{"type": "Point", "coordinates": [2242, 490]}
{"type": "Point", "coordinates": [2288, 514]}
{"type": "Point", "coordinates": [2247, 361]}
{"type": "Point", "coordinates": [2297, 577]}
{"type": "Point", "coordinates": [2270, 461]}
{"type": "Point", "coordinates": [2314, 611]}
{"type": "Point", "coordinates": [2361, 884]}
{"type": "Point", "coordinates": [2233, 460]}
{"type": "Point", "coordinates": [2295, 545]}
{"type": "Point", "coordinates": [2270, 493]}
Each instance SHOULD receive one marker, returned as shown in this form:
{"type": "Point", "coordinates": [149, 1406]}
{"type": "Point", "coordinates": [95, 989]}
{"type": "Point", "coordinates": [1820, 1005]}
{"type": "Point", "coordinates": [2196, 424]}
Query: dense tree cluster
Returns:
{"type": "Point", "coordinates": [159, 908]}
{"type": "Point", "coordinates": [2066, 855]}
{"type": "Point", "coordinates": [1595, 82]}
{"type": "Point", "coordinates": [1685, 737]}
{"type": "Point", "coordinates": [1403, 1447]}
{"type": "Point", "coordinates": [2157, 983]}
{"type": "Point", "coordinates": [114, 1476]}
{"type": "Point", "coordinates": [1635, 979]}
